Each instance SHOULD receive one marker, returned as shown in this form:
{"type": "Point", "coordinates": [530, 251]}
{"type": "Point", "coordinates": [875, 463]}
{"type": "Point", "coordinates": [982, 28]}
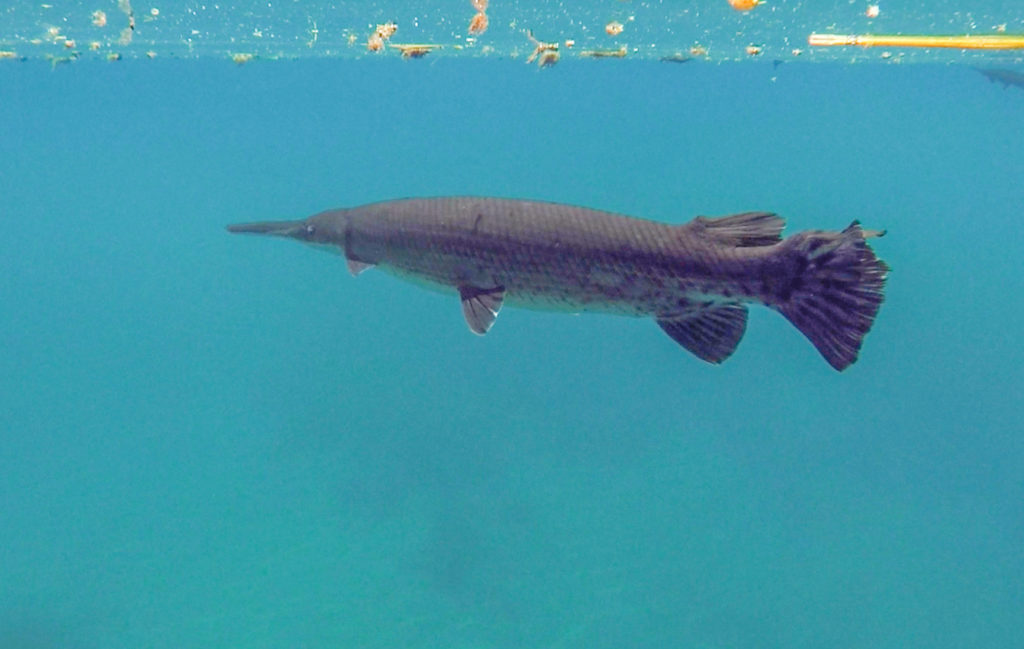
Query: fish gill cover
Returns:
{"type": "Point", "coordinates": [541, 30]}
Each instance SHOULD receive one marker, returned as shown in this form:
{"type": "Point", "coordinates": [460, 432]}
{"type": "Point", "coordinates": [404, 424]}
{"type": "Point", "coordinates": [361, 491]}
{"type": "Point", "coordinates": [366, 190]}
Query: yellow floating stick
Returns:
{"type": "Point", "coordinates": [966, 42]}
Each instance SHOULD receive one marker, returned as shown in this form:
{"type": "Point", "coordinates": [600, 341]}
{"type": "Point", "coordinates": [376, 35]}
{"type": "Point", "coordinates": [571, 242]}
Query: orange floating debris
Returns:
{"type": "Point", "coordinates": [478, 25]}
{"type": "Point", "coordinates": [744, 5]}
{"type": "Point", "coordinates": [614, 28]}
{"type": "Point", "coordinates": [965, 42]}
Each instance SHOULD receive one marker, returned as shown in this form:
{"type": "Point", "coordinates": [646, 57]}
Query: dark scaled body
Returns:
{"type": "Point", "coordinates": [693, 279]}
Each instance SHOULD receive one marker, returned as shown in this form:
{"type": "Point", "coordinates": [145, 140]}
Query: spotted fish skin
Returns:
{"type": "Point", "coordinates": [694, 279]}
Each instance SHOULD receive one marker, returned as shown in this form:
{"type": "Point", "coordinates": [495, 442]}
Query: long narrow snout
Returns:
{"type": "Point", "coordinates": [273, 228]}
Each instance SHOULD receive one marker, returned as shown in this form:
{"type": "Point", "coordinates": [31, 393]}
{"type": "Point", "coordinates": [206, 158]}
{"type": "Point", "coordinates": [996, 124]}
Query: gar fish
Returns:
{"type": "Point", "coordinates": [694, 279]}
{"type": "Point", "coordinates": [1006, 77]}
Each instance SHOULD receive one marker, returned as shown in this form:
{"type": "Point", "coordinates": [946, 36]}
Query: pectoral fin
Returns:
{"type": "Point", "coordinates": [712, 333]}
{"type": "Point", "coordinates": [355, 266]}
{"type": "Point", "coordinates": [480, 306]}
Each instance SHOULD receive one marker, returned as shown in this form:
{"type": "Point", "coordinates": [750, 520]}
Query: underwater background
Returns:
{"type": "Point", "coordinates": [208, 440]}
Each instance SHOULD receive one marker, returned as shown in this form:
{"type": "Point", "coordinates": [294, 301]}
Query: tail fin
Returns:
{"type": "Point", "coordinates": [836, 292]}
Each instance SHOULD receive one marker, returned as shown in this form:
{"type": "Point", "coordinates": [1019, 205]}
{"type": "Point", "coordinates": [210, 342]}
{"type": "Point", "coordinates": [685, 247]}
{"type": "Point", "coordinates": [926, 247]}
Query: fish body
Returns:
{"type": "Point", "coordinates": [1005, 77]}
{"type": "Point", "coordinates": [694, 280]}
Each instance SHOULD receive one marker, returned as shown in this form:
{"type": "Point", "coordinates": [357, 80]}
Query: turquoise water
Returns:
{"type": "Point", "coordinates": [209, 440]}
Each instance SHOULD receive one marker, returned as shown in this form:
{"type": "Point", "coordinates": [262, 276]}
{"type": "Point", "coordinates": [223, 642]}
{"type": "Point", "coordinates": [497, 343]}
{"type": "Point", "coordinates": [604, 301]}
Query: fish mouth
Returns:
{"type": "Point", "coordinates": [288, 229]}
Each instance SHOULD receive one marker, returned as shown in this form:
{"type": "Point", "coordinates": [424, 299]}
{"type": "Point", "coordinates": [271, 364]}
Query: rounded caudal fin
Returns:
{"type": "Point", "coordinates": [836, 291]}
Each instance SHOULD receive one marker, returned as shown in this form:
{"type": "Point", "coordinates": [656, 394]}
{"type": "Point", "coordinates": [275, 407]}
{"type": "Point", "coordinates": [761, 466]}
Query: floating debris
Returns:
{"type": "Point", "coordinates": [387, 30]}
{"type": "Point", "coordinates": [605, 54]}
{"type": "Point", "coordinates": [548, 58]}
{"type": "Point", "coordinates": [241, 58]}
{"type": "Point", "coordinates": [8, 54]}
{"type": "Point", "coordinates": [676, 58]}
{"type": "Point", "coordinates": [744, 5]}
{"type": "Point", "coordinates": [376, 41]}
{"type": "Point", "coordinates": [415, 50]}
{"type": "Point", "coordinates": [126, 34]}
{"type": "Point", "coordinates": [544, 53]}
{"type": "Point", "coordinates": [62, 60]}
{"type": "Point", "coordinates": [656, 28]}
{"type": "Point", "coordinates": [753, 50]}
{"type": "Point", "coordinates": [314, 33]}
{"type": "Point", "coordinates": [478, 25]}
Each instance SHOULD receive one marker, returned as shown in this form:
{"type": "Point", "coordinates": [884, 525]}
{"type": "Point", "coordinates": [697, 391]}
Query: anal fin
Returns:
{"type": "Point", "coordinates": [480, 306]}
{"type": "Point", "coordinates": [712, 333]}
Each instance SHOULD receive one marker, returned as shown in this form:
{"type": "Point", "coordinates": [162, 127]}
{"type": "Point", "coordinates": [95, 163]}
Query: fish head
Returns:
{"type": "Point", "coordinates": [323, 229]}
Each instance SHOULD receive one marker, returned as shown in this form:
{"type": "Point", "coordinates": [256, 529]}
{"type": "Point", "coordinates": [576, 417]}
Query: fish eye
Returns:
{"type": "Point", "coordinates": [310, 230]}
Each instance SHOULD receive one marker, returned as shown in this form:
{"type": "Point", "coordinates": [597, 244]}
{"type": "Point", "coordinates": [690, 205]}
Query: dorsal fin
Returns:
{"type": "Point", "coordinates": [712, 333]}
{"type": "Point", "coordinates": [739, 230]}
